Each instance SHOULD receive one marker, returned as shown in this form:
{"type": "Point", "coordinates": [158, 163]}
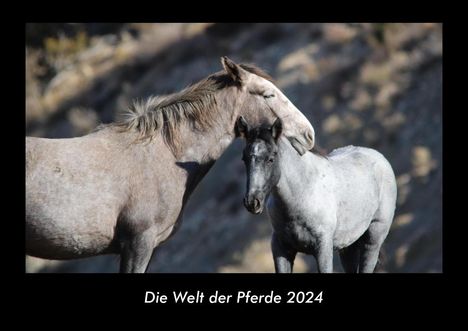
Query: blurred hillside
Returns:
{"type": "Point", "coordinates": [374, 85]}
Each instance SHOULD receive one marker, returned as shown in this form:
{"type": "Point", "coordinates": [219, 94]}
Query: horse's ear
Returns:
{"type": "Point", "coordinates": [242, 127]}
{"type": "Point", "coordinates": [233, 69]}
{"type": "Point", "coordinates": [276, 129]}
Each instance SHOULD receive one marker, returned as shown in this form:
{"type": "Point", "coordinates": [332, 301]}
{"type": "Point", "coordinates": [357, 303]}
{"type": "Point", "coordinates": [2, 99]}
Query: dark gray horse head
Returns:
{"type": "Point", "coordinates": [260, 157]}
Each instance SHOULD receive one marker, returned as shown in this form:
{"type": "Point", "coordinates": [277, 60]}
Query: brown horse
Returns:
{"type": "Point", "coordinates": [122, 189]}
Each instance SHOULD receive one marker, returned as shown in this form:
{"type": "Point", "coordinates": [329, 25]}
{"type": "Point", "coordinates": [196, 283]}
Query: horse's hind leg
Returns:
{"type": "Point", "coordinates": [136, 253]}
{"type": "Point", "coordinates": [350, 257]}
{"type": "Point", "coordinates": [372, 241]}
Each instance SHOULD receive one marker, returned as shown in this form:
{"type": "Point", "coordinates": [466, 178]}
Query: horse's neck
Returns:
{"type": "Point", "coordinates": [200, 150]}
{"type": "Point", "coordinates": [204, 147]}
{"type": "Point", "coordinates": [296, 170]}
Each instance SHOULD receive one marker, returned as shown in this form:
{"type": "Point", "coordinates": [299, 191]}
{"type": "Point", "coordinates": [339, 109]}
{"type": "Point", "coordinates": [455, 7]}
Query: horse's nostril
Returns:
{"type": "Point", "coordinates": [256, 203]}
{"type": "Point", "coordinates": [252, 203]}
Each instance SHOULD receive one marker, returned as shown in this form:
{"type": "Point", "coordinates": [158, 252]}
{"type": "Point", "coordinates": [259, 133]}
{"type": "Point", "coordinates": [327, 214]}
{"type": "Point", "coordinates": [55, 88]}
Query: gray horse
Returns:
{"type": "Point", "coordinates": [122, 189]}
{"type": "Point", "coordinates": [316, 204]}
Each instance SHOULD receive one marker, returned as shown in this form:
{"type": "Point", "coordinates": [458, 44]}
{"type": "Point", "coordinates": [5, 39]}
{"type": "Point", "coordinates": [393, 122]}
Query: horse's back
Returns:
{"type": "Point", "coordinates": [362, 157]}
{"type": "Point", "coordinates": [33, 145]}
{"type": "Point", "coordinates": [367, 164]}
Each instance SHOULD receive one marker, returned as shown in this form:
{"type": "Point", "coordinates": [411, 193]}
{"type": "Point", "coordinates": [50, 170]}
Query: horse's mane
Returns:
{"type": "Point", "coordinates": [195, 104]}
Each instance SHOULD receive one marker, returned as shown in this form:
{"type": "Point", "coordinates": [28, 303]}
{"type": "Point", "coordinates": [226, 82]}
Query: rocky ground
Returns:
{"type": "Point", "coordinates": [374, 85]}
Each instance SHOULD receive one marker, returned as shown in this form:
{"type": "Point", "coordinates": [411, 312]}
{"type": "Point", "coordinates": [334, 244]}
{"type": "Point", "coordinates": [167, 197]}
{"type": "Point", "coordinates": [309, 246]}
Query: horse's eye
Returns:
{"type": "Point", "coordinates": [267, 96]}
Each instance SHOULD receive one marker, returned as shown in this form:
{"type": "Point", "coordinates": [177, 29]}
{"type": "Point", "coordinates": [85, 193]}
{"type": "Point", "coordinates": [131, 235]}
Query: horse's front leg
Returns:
{"type": "Point", "coordinates": [136, 252]}
{"type": "Point", "coordinates": [283, 255]}
{"type": "Point", "coordinates": [324, 255]}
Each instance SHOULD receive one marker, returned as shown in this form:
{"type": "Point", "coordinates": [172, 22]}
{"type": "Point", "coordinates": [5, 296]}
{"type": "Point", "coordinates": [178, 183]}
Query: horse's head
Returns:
{"type": "Point", "coordinates": [260, 157]}
{"type": "Point", "coordinates": [261, 101]}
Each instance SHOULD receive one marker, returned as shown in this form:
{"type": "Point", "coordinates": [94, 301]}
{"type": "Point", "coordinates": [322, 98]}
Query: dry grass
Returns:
{"type": "Point", "coordinates": [422, 161]}
{"type": "Point", "coordinates": [338, 33]}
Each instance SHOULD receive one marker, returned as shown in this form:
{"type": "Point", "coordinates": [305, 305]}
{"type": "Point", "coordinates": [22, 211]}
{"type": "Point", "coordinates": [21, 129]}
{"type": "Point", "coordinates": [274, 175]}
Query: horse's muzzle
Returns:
{"type": "Point", "coordinates": [253, 205]}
